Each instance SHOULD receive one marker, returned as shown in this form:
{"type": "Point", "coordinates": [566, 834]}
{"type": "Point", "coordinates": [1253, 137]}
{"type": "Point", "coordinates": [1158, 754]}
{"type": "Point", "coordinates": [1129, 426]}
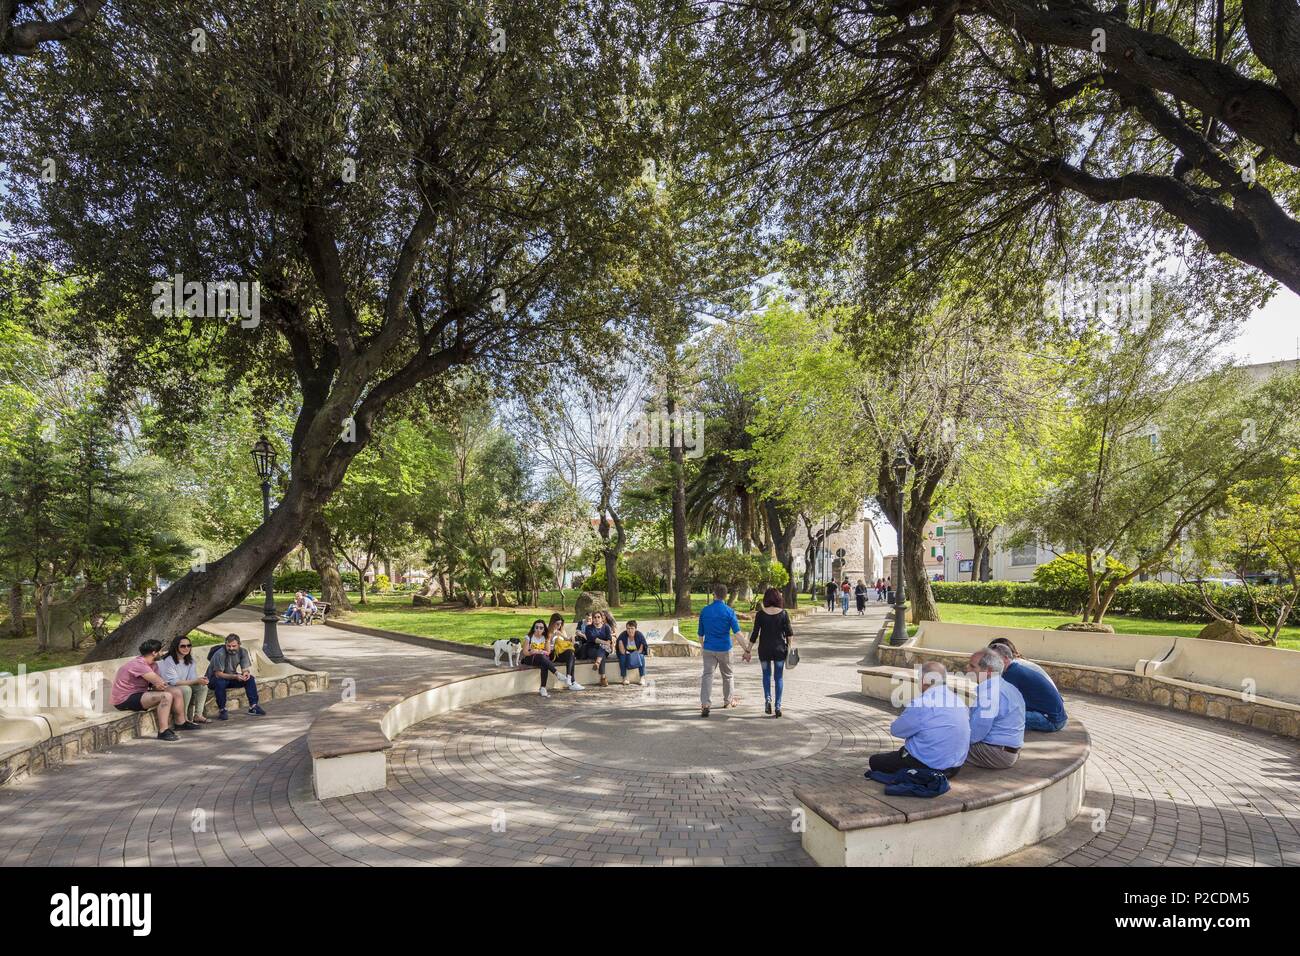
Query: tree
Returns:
{"type": "Point", "coordinates": [565, 528]}
{"type": "Point", "coordinates": [583, 435]}
{"type": "Point", "coordinates": [970, 120]}
{"type": "Point", "coordinates": [410, 198]}
{"type": "Point", "coordinates": [1156, 437]}
{"type": "Point", "coordinates": [24, 37]}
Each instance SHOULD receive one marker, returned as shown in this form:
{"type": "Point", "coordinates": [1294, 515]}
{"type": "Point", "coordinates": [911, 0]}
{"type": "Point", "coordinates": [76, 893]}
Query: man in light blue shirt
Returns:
{"type": "Point", "coordinates": [934, 726]}
{"type": "Point", "coordinates": [997, 718]}
{"type": "Point", "coordinates": [717, 623]}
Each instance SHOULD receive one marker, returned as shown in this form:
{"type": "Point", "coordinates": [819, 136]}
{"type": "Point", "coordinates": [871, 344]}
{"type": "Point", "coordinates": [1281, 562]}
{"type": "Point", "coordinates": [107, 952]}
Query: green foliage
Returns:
{"type": "Point", "coordinates": [293, 581]}
{"type": "Point", "coordinates": [382, 585]}
{"type": "Point", "coordinates": [629, 582]}
{"type": "Point", "coordinates": [1066, 578]}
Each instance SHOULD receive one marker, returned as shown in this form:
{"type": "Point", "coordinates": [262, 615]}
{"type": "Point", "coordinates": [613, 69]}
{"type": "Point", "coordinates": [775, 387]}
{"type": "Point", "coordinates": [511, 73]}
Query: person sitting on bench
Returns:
{"type": "Point", "coordinates": [997, 718]}
{"type": "Point", "coordinates": [138, 686]}
{"type": "Point", "coordinates": [934, 726]}
{"type": "Point", "coordinates": [1044, 708]}
{"type": "Point", "coordinates": [229, 666]}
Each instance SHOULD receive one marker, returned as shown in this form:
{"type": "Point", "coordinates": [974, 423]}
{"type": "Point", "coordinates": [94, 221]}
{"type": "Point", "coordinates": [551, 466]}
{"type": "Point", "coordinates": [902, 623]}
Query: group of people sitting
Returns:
{"type": "Point", "coordinates": [596, 637]}
{"type": "Point", "coordinates": [170, 683]}
{"type": "Point", "coordinates": [302, 610]}
{"type": "Point", "coordinates": [942, 733]}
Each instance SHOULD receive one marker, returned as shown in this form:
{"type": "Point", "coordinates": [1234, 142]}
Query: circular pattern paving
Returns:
{"type": "Point", "coordinates": [648, 739]}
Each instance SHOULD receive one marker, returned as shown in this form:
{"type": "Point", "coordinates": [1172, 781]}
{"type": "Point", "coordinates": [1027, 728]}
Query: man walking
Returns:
{"type": "Point", "coordinates": [717, 623]}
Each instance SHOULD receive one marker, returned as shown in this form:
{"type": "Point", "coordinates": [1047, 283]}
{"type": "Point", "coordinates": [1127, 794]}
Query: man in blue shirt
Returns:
{"type": "Point", "coordinates": [717, 623]}
{"type": "Point", "coordinates": [1044, 708]}
{"type": "Point", "coordinates": [997, 718]}
{"type": "Point", "coordinates": [934, 726]}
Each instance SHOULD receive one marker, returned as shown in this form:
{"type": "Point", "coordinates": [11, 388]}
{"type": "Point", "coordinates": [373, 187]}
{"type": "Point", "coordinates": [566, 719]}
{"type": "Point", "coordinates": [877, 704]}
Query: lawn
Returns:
{"type": "Point", "coordinates": [394, 612]}
{"type": "Point", "coordinates": [1039, 618]}
{"type": "Point", "coordinates": [15, 651]}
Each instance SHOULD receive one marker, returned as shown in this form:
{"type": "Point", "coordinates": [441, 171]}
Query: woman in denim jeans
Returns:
{"type": "Point", "coordinates": [774, 636]}
{"type": "Point", "coordinates": [631, 641]}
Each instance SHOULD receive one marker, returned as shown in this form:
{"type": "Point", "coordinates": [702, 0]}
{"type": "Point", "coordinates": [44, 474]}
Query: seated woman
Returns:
{"type": "Point", "coordinates": [178, 670]}
{"type": "Point", "coordinates": [600, 642]}
{"type": "Point", "coordinates": [632, 651]}
{"type": "Point", "coordinates": [563, 650]}
{"type": "Point", "coordinates": [537, 648]}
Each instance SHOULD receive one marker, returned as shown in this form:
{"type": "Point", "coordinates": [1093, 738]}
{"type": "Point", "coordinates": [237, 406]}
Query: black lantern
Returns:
{"type": "Point", "coordinates": [264, 460]}
{"type": "Point", "coordinates": [901, 465]}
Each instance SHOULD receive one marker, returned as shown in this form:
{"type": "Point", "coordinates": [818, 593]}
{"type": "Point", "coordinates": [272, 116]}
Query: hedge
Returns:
{"type": "Point", "coordinates": [1149, 599]}
{"type": "Point", "coordinates": [298, 581]}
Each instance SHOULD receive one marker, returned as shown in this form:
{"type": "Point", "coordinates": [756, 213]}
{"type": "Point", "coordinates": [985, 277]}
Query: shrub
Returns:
{"type": "Point", "coordinates": [382, 584]}
{"type": "Point", "coordinates": [288, 581]}
{"type": "Point", "coordinates": [351, 580]}
{"type": "Point", "coordinates": [629, 582]}
{"type": "Point", "coordinates": [1066, 578]}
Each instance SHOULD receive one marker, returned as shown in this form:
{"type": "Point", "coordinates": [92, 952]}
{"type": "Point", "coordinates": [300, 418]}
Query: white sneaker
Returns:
{"type": "Point", "coordinates": [576, 686]}
{"type": "Point", "coordinates": [542, 691]}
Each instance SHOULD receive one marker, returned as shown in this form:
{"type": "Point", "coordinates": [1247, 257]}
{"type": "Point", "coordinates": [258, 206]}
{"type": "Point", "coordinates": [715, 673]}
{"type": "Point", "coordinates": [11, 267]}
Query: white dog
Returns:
{"type": "Point", "coordinates": [511, 649]}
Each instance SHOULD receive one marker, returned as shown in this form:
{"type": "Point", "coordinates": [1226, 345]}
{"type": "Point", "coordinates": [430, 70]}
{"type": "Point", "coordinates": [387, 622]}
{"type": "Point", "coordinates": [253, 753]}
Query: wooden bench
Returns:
{"type": "Point", "coordinates": [986, 814]}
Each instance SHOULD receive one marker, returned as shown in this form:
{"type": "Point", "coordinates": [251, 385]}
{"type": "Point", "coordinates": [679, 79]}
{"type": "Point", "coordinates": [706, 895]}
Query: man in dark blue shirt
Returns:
{"type": "Point", "coordinates": [1044, 708]}
{"type": "Point", "coordinates": [718, 623]}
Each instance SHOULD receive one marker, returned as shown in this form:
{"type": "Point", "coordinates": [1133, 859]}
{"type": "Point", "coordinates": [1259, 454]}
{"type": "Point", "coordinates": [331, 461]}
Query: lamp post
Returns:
{"type": "Point", "coordinates": [264, 460]}
{"type": "Point", "coordinates": [899, 636]}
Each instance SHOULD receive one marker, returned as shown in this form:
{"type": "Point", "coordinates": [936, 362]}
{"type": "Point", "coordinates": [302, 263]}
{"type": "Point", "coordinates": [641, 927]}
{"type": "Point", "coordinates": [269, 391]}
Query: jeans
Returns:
{"type": "Point", "coordinates": [844, 603]}
{"type": "Point", "coordinates": [622, 665]}
{"type": "Point", "coordinates": [541, 661]}
{"type": "Point", "coordinates": [219, 686]}
{"type": "Point", "coordinates": [768, 667]}
{"type": "Point", "coordinates": [830, 602]}
{"type": "Point", "coordinates": [196, 696]}
{"type": "Point", "coordinates": [900, 759]}
{"type": "Point", "coordinates": [1042, 723]}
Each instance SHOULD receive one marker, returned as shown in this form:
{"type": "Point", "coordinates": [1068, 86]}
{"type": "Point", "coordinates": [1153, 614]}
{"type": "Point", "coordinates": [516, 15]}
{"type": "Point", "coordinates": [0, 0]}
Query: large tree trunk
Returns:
{"type": "Point", "coordinates": [316, 539]}
{"type": "Point", "coordinates": [16, 626]}
{"type": "Point", "coordinates": [985, 563]}
{"type": "Point", "coordinates": [681, 557]}
{"type": "Point", "coordinates": [920, 596]}
{"type": "Point", "coordinates": [782, 526]}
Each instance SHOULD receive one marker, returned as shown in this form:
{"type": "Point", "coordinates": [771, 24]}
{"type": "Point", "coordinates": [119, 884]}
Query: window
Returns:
{"type": "Point", "coordinates": [938, 531]}
{"type": "Point", "coordinates": [1025, 554]}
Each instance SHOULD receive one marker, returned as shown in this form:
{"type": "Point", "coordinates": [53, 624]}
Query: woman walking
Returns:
{"type": "Point", "coordinates": [860, 594]}
{"type": "Point", "coordinates": [845, 591]}
{"type": "Point", "coordinates": [774, 636]}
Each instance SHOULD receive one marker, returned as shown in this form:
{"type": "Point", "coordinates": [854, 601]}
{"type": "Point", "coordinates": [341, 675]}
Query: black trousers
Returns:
{"type": "Point", "coordinates": [540, 661]}
{"type": "Point", "coordinates": [568, 660]}
{"type": "Point", "coordinates": [900, 759]}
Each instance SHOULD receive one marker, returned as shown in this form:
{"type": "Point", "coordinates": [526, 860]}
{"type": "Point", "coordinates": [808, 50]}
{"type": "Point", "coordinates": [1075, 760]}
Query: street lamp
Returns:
{"type": "Point", "coordinates": [264, 461]}
{"type": "Point", "coordinates": [901, 464]}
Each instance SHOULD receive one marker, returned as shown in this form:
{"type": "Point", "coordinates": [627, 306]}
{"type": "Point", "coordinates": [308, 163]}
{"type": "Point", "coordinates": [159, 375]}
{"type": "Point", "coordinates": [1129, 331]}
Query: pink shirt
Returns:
{"type": "Point", "coordinates": [130, 679]}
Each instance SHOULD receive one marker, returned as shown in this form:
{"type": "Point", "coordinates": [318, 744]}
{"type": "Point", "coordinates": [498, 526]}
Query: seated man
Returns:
{"type": "Point", "coordinates": [935, 728]}
{"type": "Point", "coordinates": [1044, 708]}
{"type": "Point", "coordinates": [229, 666]}
{"type": "Point", "coordinates": [138, 686]}
{"type": "Point", "coordinates": [307, 610]}
{"type": "Point", "coordinates": [997, 718]}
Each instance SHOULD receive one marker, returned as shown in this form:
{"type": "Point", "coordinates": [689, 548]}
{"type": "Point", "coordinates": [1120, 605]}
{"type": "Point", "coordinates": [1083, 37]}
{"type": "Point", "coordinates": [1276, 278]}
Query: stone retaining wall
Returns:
{"type": "Point", "coordinates": [105, 735]}
{"type": "Point", "coordinates": [1109, 682]}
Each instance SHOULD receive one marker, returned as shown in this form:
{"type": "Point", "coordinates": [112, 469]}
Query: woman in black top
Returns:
{"type": "Point", "coordinates": [860, 592]}
{"type": "Point", "coordinates": [774, 635]}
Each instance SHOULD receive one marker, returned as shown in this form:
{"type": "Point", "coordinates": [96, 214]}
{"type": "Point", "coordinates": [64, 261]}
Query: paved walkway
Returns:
{"type": "Point", "coordinates": [617, 775]}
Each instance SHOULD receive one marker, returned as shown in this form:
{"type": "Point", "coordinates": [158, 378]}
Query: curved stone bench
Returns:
{"type": "Point", "coordinates": [1254, 686]}
{"type": "Point", "coordinates": [349, 741]}
{"type": "Point", "coordinates": [986, 815]}
{"type": "Point", "coordinates": [35, 736]}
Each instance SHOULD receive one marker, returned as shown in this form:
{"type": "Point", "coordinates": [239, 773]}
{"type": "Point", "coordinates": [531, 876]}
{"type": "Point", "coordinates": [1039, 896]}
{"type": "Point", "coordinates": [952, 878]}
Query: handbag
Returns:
{"type": "Point", "coordinates": [636, 659]}
{"type": "Point", "coordinates": [792, 658]}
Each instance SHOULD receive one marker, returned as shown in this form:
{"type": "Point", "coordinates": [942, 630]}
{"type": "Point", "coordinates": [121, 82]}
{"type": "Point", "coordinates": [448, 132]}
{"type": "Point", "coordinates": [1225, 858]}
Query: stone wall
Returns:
{"type": "Point", "coordinates": [1226, 705]}
{"type": "Point", "coordinates": [105, 735]}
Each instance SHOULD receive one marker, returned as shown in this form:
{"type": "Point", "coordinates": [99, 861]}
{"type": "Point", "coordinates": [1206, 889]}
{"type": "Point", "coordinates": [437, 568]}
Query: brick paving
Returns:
{"type": "Point", "coordinates": [616, 776]}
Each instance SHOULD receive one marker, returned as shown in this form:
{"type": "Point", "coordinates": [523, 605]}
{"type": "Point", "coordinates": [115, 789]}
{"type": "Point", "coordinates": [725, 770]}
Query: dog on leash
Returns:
{"type": "Point", "coordinates": [511, 649]}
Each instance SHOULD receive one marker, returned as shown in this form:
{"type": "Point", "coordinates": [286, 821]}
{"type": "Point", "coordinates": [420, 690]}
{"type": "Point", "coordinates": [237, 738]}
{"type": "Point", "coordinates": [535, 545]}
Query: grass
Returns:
{"type": "Point", "coordinates": [23, 650]}
{"type": "Point", "coordinates": [1039, 618]}
{"type": "Point", "coordinates": [394, 612]}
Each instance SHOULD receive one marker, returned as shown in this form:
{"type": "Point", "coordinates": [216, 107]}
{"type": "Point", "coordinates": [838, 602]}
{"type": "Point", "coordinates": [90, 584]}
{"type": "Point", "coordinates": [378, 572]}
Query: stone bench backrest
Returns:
{"type": "Point", "coordinates": [655, 631]}
{"type": "Point", "coordinates": [1268, 672]}
{"type": "Point", "coordinates": [1120, 651]}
